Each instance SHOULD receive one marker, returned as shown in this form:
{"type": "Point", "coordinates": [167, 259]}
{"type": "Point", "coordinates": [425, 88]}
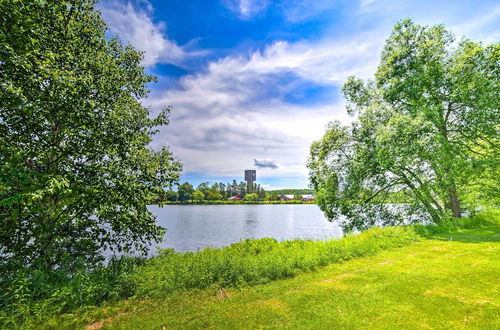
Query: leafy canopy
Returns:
{"type": "Point", "coordinates": [426, 129]}
{"type": "Point", "coordinates": [75, 167]}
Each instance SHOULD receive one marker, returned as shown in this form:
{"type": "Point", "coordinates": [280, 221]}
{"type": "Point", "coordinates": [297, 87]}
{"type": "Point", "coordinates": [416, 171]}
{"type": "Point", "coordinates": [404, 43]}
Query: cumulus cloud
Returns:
{"type": "Point", "coordinates": [265, 163]}
{"type": "Point", "coordinates": [133, 24]}
{"type": "Point", "coordinates": [235, 110]}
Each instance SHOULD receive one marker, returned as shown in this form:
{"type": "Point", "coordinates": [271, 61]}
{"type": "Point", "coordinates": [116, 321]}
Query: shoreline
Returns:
{"type": "Point", "coordinates": [235, 203]}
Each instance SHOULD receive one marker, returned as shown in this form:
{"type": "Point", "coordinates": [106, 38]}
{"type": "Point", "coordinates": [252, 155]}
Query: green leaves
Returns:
{"type": "Point", "coordinates": [75, 168]}
{"type": "Point", "coordinates": [428, 124]}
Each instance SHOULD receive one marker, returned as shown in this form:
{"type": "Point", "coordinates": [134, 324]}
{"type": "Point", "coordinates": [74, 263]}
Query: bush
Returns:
{"type": "Point", "coordinates": [487, 217]}
{"type": "Point", "coordinates": [31, 295]}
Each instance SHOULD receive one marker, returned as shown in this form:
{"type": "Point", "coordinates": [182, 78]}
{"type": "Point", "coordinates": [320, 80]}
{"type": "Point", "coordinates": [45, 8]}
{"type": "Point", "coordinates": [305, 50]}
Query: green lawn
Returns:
{"type": "Point", "coordinates": [451, 281]}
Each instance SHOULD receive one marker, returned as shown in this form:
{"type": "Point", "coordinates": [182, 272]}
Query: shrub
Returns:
{"type": "Point", "coordinates": [28, 296]}
{"type": "Point", "coordinates": [487, 217]}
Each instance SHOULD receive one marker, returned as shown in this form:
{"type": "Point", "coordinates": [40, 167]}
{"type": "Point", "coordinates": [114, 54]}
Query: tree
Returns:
{"type": "Point", "coordinates": [198, 195]}
{"type": "Point", "coordinates": [271, 196]}
{"type": "Point", "coordinates": [185, 192]}
{"type": "Point", "coordinates": [252, 197]}
{"type": "Point", "coordinates": [171, 195]}
{"type": "Point", "coordinates": [204, 187]}
{"type": "Point", "coordinates": [242, 189]}
{"type": "Point", "coordinates": [214, 196]}
{"type": "Point", "coordinates": [75, 168]}
{"type": "Point", "coordinates": [428, 123]}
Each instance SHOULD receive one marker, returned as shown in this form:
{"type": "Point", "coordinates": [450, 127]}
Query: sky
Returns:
{"type": "Point", "coordinates": [252, 83]}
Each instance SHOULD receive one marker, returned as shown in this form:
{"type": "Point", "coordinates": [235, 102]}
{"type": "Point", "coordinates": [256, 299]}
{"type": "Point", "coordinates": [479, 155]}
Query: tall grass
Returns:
{"type": "Point", "coordinates": [258, 261]}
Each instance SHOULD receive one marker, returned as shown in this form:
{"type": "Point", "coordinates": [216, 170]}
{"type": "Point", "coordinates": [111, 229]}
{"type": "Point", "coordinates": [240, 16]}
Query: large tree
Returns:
{"type": "Point", "coordinates": [75, 167]}
{"type": "Point", "coordinates": [426, 127]}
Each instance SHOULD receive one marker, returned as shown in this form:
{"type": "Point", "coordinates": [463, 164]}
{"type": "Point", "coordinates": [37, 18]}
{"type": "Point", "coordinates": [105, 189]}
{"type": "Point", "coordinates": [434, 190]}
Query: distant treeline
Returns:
{"type": "Point", "coordinates": [231, 202]}
{"type": "Point", "coordinates": [226, 193]}
{"type": "Point", "coordinates": [220, 191]}
{"type": "Point", "coordinates": [293, 192]}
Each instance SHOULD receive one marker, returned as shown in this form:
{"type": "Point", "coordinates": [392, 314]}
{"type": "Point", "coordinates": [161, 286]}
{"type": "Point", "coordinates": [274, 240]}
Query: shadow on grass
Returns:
{"type": "Point", "coordinates": [476, 235]}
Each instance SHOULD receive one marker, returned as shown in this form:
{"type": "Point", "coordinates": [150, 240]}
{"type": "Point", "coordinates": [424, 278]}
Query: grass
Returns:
{"type": "Point", "coordinates": [451, 281]}
{"type": "Point", "coordinates": [388, 277]}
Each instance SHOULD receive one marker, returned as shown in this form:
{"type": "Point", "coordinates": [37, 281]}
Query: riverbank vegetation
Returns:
{"type": "Point", "coordinates": [427, 124]}
{"type": "Point", "coordinates": [449, 281]}
{"type": "Point", "coordinates": [204, 192]}
{"type": "Point", "coordinates": [238, 202]}
{"type": "Point", "coordinates": [76, 171]}
{"type": "Point", "coordinates": [36, 301]}
{"type": "Point", "coordinates": [230, 193]}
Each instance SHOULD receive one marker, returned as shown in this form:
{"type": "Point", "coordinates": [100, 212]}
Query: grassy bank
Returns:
{"type": "Point", "coordinates": [31, 300]}
{"type": "Point", "coordinates": [450, 281]}
{"type": "Point", "coordinates": [258, 261]}
{"type": "Point", "coordinates": [220, 281]}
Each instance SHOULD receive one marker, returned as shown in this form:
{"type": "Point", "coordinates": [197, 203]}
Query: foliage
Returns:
{"type": "Point", "coordinates": [292, 192]}
{"type": "Point", "coordinates": [250, 197]}
{"type": "Point", "coordinates": [428, 124]}
{"type": "Point", "coordinates": [216, 192]}
{"type": "Point", "coordinates": [198, 195]}
{"type": "Point", "coordinates": [171, 196]}
{"type": "Point", "coordinates": [185, 192]}
{"type": "Point", "coordinates": [33, 297]}
{"type": "Point", "coordinates": [485, 218]}
{"type": "Point", "coordinates": [75, 168]}
{"type": "Point", "coordinates": [214, 196]}
{"type": "Point", "coordinates": [238, 202]}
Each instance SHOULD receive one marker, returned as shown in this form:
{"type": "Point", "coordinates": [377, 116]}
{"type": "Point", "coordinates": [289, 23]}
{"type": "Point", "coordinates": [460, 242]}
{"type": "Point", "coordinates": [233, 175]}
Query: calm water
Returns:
{"type": "Point", "coordinates": [193, 227]}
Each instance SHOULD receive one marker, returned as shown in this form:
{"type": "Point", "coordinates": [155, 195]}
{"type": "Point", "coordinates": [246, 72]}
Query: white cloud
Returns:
{"type": "Point", "coordinates": [134, 25]}
{"type": "Point", "coordinates": [482, 27]}
{"type": "Point", "coordinates": [246, 8]}
{"type": "Point", "coordinates": [233, 112]}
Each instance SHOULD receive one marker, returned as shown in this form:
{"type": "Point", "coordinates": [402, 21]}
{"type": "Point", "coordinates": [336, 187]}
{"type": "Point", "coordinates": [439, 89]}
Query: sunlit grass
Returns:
{"type": "Point", "coordinates": [417, 276]}
{"type": "Point", "coordinates": [434, 283]}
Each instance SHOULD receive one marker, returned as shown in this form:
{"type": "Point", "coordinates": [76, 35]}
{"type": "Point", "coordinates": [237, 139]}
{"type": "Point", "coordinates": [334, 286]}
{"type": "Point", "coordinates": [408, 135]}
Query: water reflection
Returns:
{"type": "Point", "coordinates": [194, 227]}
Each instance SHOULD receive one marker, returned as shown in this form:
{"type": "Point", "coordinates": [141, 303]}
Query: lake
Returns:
{"type": "Point", "coordinates": [193, 227]}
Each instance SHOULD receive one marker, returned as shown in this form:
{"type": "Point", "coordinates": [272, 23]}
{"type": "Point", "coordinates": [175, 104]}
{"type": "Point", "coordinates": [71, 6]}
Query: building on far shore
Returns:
{"type": "Point", "coordinates": [285, 198]}
{"type": "Point", "coordinates": [304, 198]}
{"type": "Point", "coordinates": [307, 198]}
{"type": "Point", "coordinates": [234, 198]}
{"type": "Point", "coordinates": [250, 178]}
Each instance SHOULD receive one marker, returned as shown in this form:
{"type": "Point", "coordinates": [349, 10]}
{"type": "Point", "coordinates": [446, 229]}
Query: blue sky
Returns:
{"type": "Point", "coordinates": [253, 82]}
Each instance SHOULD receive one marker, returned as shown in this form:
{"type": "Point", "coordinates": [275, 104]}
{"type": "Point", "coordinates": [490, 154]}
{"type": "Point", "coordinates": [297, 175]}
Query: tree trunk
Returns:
{"type": "Point", "coordinates": [454, 203]}
{"type": "Point", "coordinates": [432, 212]}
